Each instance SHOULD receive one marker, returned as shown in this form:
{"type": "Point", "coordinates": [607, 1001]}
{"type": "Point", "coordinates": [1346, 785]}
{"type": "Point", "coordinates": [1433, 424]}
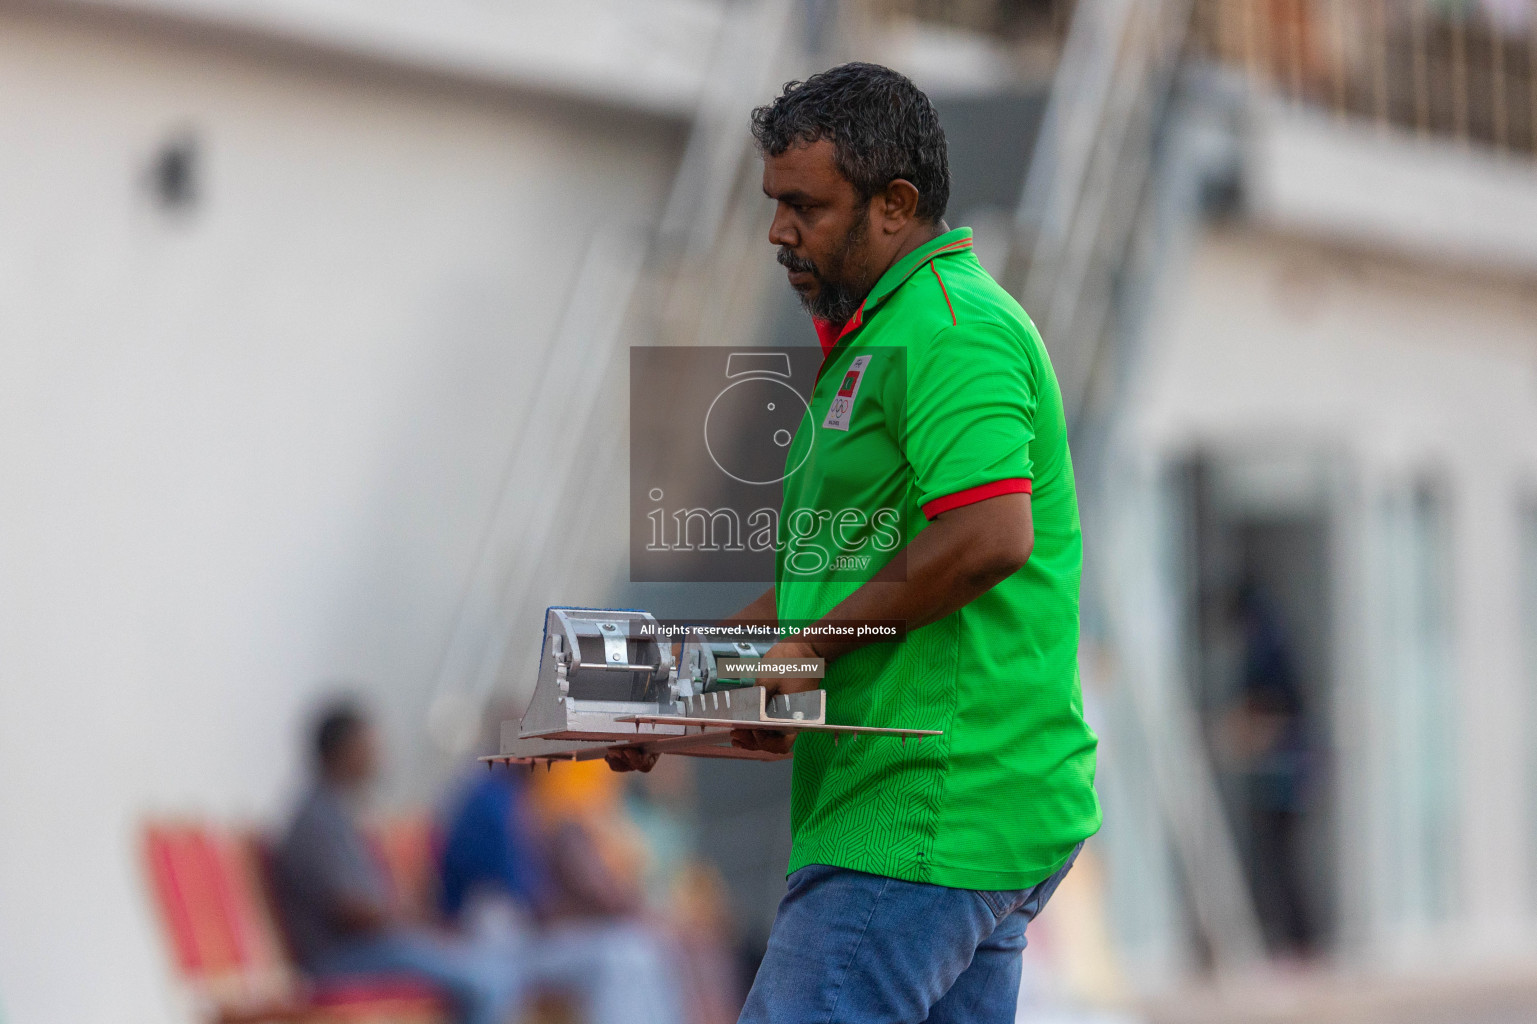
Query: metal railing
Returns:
{"type": "Point", "coordinates": [1010, 19]}
{"type": "Point", "coordinates": [1458, 70]}
{"type": "Point", "coordinates": [1089, 175]}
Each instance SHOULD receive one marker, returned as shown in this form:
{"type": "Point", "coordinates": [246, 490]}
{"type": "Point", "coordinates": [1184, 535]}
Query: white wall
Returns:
{"type": "Point", "coordinates": [645, 54]}
{"type": "Point", "coordinates": [1264, 343]}
{"type": "Point", "coordinates": [1354, 182]}
{"type": "Point", "coordinates": [247, 451]}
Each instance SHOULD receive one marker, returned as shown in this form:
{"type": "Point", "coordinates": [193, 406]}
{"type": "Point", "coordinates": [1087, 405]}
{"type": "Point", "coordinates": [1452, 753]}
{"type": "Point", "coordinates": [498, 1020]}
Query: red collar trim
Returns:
{"type": "Point", "coordinates": [830, 338]}
{"type": "Point", "coordinates": [829, 335]}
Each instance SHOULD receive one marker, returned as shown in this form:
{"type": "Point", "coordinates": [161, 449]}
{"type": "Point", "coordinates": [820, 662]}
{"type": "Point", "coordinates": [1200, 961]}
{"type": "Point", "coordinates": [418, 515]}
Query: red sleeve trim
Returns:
{"type": "Point", "coordinates": [972, 495]}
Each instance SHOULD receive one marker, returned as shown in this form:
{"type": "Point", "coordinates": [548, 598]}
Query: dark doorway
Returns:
{"type": "Point", "coordinates": [1261, 624]}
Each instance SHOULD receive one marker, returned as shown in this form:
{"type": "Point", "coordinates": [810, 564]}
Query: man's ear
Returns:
{"type": "Point", "coordinates": [897, 206]}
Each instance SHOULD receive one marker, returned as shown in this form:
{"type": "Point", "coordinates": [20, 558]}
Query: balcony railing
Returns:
{"type": "Point", "coordinates": [1009, 19]}
{"type": "Point", "coordinates": [1460, 70]}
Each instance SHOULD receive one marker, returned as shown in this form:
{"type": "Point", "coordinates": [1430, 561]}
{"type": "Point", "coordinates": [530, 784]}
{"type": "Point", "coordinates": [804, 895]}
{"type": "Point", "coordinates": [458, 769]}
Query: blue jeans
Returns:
{"type": "Point", "coordinates": [853, 948]}
{"type": "Point", "coordinates": [481, 979]}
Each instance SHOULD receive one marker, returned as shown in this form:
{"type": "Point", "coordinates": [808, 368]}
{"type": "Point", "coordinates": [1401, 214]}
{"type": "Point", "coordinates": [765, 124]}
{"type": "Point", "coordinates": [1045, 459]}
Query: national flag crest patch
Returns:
{"type": "Point", "coordinates": [842, 408]}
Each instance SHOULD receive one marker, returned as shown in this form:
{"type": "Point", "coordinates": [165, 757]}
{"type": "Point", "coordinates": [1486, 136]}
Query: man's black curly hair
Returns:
{"type": "Point", "coordinates": [881, 125]}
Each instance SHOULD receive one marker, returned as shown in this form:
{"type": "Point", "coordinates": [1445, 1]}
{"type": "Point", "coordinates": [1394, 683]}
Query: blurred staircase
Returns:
{"type": "Point", "coordinates": [1088, 240]}
{"type": "Point", "coordinates": [674, 280]}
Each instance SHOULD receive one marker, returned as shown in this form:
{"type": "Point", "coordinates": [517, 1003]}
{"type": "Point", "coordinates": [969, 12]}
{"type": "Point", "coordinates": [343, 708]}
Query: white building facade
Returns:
{"type": "Point", "coordinates": [276, 284]}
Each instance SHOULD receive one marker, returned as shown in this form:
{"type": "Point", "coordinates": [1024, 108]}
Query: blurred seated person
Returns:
{"type": "Point", "coordinates": [513, 871]}
{"type": "Point", "coordinates": [492, 872]}
{"type": "Point", "coordinates": [598, 856]}
{"type": "Point", "coordinates": [334, 895]}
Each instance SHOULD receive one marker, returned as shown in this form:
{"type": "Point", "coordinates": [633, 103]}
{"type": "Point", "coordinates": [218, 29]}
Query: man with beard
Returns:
{"type": "Point", "coordinates": [916, 866]}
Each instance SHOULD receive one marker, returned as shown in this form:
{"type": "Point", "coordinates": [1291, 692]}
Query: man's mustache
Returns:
{"type": "Point", "coordinates": [790, 261]}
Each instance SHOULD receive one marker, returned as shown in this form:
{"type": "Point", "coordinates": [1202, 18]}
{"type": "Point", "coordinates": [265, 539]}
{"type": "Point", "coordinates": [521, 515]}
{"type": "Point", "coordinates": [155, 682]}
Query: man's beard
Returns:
{"type": "Point", "coordinates": [837, 298]}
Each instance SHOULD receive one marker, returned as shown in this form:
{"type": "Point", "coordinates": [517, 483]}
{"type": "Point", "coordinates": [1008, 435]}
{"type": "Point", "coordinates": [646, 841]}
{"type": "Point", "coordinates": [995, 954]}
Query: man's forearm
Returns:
{"type": "Point", "coordinates": [956, 559]}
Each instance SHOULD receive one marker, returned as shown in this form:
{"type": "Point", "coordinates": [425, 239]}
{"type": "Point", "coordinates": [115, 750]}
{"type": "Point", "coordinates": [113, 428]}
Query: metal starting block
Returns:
{"type": "Point", "coordinates": [608, 680]}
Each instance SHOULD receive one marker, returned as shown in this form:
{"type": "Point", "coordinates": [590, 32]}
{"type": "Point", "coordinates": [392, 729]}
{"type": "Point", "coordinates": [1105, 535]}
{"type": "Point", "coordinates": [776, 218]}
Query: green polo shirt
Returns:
{"type": "Point", "coordinates": [938, 393]}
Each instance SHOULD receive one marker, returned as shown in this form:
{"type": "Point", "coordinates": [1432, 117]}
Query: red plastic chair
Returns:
{"type": "Point", "coordinates": [209, 888]}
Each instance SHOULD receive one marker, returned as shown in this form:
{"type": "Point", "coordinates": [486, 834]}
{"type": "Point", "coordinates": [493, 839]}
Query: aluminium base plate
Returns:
{"type": "Point", "coordinates": [713, 739]}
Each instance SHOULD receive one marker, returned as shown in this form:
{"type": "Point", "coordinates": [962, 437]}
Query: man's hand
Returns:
{"type": "Point", "coordinates": [763, 739]}
{"type": "Point", "coordinates": [630, 759]}
{"type": "Point", "coordinates": [789, 650]}
{"type": "Point", "coordinates": [769, 740]}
